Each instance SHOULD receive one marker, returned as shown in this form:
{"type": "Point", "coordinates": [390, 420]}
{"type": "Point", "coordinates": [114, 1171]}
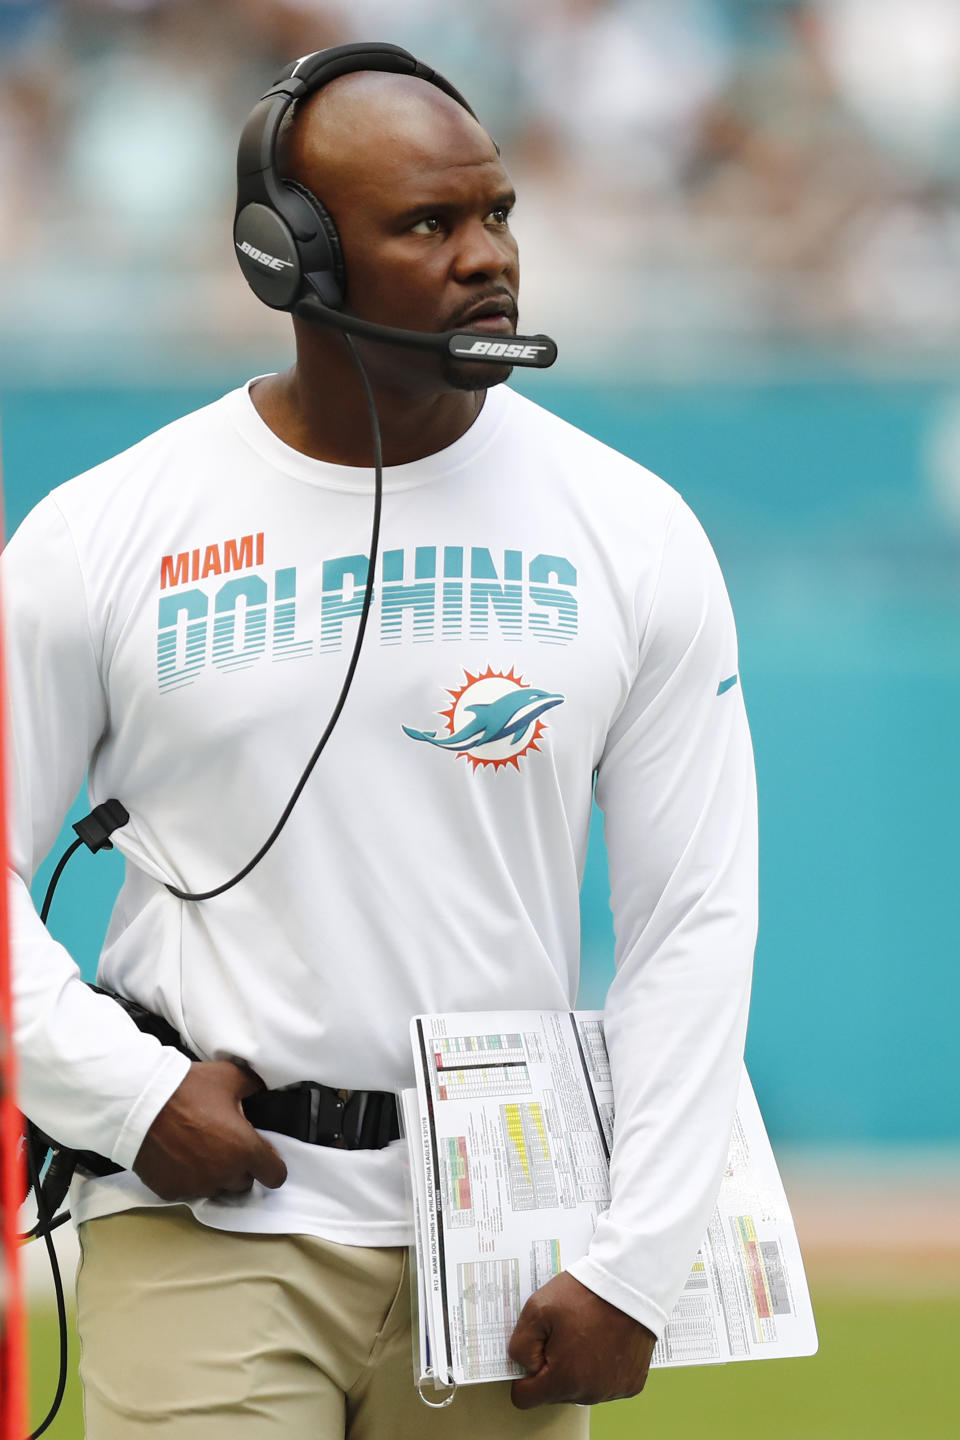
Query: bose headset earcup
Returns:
{"type": "Point", "coordinates": [268, 255]}
{"type": "Point", "coordinates": [280, 248]}
{"type": "Point", "coordinates": [321, 254]}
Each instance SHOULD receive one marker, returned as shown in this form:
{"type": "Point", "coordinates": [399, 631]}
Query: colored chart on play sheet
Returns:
{"type": "Point", "coordinates": [470, 1066]}
{"type": "Point", "coordinates": [763, 1265]}
{"type": "Point", "coordinates": [533, 1184]}
{"type": "Point", "coordinates": [489, 1307]}
{"type": "Point", "coordinates": [455, 1164]}
{"type": "Point", "coordinates": [545, 1262]}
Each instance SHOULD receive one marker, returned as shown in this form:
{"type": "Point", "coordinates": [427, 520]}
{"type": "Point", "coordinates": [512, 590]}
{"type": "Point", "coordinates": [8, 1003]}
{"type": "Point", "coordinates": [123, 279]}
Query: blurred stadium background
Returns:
{"type": "Point", "coordinates": [741, 221]}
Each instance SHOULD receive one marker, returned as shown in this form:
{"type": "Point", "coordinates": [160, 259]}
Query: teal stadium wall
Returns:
{"type": "Point", "coordinates": [842, 563]}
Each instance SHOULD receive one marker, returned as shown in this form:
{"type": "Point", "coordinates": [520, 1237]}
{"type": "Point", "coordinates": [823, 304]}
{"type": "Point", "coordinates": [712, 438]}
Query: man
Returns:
{"type": "Point", "coordinates": [199, 598]}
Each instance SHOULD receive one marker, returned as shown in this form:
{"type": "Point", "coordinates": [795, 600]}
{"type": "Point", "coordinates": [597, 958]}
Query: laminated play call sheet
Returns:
{"type": "Point", "coordinates": [510, 1130]}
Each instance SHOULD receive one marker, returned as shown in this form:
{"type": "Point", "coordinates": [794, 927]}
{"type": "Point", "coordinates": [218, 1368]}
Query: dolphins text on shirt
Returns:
{"type": "Point", "coordinates": [427, 593]}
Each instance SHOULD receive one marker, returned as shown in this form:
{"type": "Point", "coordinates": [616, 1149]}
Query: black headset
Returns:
{"type": "Point", "coordinates": [286, 240]}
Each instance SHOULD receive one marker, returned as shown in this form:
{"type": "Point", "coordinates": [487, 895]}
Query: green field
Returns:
{"type": "Point", "coordinates": [887, 1370]}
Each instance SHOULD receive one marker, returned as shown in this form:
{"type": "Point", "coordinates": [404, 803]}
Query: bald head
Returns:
{"type": "Point", "coordinates": [370, 120]}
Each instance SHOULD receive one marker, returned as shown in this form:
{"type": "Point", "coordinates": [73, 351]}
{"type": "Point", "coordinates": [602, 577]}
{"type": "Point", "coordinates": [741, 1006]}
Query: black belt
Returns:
{"type": "Point", "coordinates": [308, 1111]}
{"type": "Point", "coordinates": [317, 1114]}
{"type": "Point", "coordinates": [320, 1115]}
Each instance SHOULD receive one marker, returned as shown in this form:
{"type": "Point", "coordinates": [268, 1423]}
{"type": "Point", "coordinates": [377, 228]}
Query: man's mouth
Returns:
{"type": "Point", "coordinates": [491, 317]}
{"type": "Point", "coordinates": [490, 325]}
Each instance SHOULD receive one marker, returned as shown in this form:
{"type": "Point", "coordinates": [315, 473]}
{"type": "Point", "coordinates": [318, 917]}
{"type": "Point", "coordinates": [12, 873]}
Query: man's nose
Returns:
{"type": "Point", "coordinates": [484, 253]}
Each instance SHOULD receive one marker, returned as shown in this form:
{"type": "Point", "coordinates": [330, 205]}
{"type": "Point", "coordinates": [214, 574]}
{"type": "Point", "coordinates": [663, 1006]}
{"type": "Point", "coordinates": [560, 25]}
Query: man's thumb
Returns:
{"type": "Point", "coordinates": [534, 1390]}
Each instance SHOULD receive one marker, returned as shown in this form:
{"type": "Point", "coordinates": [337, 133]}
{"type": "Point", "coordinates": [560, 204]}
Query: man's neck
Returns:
{"type": "Point", "coordinates": [328, 419]}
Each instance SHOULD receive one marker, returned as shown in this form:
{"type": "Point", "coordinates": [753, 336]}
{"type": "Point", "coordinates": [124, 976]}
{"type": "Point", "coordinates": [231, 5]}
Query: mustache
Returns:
{"type": "Point", "coordinates": [499, 293]}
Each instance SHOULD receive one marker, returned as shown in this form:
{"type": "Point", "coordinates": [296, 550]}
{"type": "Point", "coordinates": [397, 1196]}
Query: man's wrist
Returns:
{"type": "Point", "coordinates": [619, 1294]}
{"type": "Point", "coordinates": [169, 1075]}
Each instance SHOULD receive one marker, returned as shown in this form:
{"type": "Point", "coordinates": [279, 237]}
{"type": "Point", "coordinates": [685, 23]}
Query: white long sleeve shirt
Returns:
{"type": "Point", "coordinates": [546, 612]}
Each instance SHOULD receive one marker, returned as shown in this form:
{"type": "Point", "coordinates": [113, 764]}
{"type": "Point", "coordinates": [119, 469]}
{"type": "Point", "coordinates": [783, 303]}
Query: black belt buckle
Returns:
{"type": "Point", "coordinates": [321, 1115]}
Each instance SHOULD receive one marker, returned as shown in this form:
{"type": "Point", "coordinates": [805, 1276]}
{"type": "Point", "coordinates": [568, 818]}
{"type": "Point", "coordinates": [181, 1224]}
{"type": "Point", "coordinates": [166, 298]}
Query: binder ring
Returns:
{"type": "Point", "coordinates": [434, 1404]}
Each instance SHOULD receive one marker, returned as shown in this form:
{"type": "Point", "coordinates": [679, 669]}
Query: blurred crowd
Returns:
{"type": "Point", "coordinates": [718, 173]}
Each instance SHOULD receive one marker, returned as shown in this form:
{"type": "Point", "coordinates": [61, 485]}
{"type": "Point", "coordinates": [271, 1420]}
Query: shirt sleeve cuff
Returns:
{"type": "Point", "coordinates": [624, 1297]}
{"type": "Point", "coordinates": [168, 1076]}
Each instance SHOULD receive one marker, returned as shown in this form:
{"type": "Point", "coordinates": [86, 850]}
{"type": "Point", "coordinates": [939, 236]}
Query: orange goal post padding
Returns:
{"type": "Point", "coordinates": [12, 1346]}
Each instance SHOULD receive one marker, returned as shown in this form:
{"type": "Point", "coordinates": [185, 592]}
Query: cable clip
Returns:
{"type": "Point", "coordinates": [96, 828]}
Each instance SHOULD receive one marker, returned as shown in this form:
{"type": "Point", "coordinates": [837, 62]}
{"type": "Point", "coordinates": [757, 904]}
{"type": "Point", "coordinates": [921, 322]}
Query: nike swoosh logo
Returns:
{"type": "Point", "coordinates": [726, 685]}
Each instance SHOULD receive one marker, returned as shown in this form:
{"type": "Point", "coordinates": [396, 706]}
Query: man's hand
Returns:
{"type": "Point", "coordinates": [201, 1144]}
{"type": "Point", "coordinates": [577, 1348]}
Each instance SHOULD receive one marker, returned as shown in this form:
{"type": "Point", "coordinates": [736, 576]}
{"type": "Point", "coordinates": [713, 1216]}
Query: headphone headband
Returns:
{"type": "Point", "coordinates": [304, 77]}
{"type": "Point", "coordinates": [322, 66]}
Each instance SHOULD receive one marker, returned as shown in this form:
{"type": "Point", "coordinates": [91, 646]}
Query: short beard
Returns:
{"type": "Point", "coordinates": [471, 375]}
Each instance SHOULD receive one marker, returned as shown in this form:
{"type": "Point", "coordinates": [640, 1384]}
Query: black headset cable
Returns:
{"type": "Point", "coordinates": [44, 1227]}
{"type": "Point", "coordinates": [54, 878]}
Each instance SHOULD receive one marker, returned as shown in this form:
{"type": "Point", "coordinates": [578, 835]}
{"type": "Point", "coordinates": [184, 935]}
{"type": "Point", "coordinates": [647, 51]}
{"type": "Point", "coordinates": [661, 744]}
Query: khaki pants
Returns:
{"type": "Point", "coordinates": [190, 1333]}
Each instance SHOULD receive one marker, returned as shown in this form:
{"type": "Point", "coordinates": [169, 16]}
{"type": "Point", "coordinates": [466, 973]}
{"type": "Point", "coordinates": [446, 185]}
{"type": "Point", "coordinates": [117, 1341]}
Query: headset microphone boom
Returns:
{"type": "Point", "coordinates": [536, 350]}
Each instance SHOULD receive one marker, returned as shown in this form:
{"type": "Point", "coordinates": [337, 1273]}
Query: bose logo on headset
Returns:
{"type": "Point", "coordinates": [272, 261]}
{"type": "Point", "coordinates": [502, 348]}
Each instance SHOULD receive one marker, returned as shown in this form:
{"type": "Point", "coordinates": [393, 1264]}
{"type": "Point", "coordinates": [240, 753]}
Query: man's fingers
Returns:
{"type": "Point", "coordinates": [265, 1163]}
{"type": "Point", "coordinates": [246, 1081]}
{"type": "Point", "coordinates": [528, 1342]}
{"type": "Point", "coordinates": [201, 1144]}
{"type": "Point", "coordinates": [241, 1185]}
{"type": "Point", "coordinates": [267, 1166]}
{"type": "Point", "coordinates": [261, 1163]}
{"type": "Point", "coordinates": [528, 1348]}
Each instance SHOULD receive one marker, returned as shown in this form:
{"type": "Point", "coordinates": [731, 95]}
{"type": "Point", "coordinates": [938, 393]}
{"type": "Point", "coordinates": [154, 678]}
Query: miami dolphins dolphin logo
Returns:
{"type": "Point", "coordinates": [494, 719]}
